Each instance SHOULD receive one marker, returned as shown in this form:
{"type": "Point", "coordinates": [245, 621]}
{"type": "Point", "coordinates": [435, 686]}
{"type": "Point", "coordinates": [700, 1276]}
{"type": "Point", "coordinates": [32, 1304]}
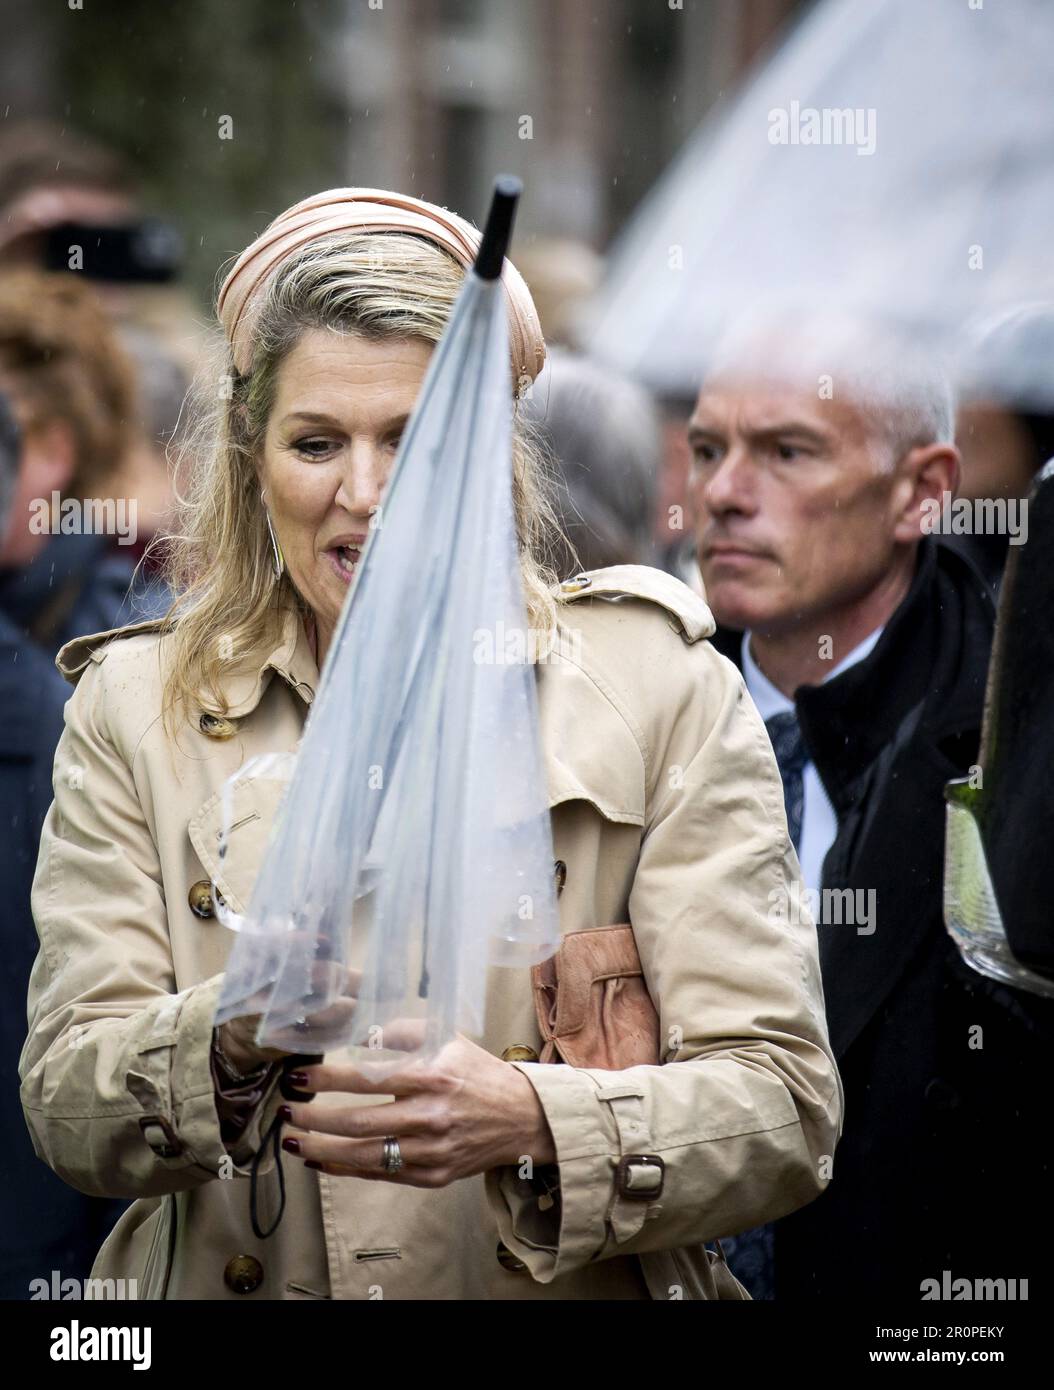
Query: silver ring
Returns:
{"type": "Point", "coordinates": [393, 1159]}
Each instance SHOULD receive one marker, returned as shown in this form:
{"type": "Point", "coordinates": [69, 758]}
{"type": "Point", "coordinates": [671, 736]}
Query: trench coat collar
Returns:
{"type": "Point", "coordinates": [291, 659]}
{"type": "Point", "coordinates": [243, 685]}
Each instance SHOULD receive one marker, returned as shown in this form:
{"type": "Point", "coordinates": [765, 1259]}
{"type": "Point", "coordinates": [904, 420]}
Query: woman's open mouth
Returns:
{"type": "Point", "coordinates": [345, 559]}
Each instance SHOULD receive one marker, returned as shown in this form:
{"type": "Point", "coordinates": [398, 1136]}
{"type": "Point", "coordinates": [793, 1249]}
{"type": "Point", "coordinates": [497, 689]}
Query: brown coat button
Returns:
{"type": "Point", "coordinates": [200, 899]}
{"type": "Point", "coordinates": [243, 1274]}
{"type": "Point", "coordinates": [508, 1260]}
{"type": "Point", "coordinates": [560, 870]}
{"type": "Point", "coordinates": [216, 727]}
{"type": "Point", "coordinates": [519, 1052]}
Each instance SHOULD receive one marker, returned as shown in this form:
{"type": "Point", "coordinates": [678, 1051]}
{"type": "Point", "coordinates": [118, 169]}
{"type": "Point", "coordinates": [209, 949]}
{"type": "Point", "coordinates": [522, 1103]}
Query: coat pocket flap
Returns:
{"type": "Point", "coordinates": [253, 804]}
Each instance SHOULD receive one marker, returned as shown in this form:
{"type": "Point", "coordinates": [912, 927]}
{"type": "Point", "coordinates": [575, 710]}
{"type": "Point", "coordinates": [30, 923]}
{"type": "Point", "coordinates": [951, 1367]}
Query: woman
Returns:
{"type": "Point", "coordinates": [667, 811]}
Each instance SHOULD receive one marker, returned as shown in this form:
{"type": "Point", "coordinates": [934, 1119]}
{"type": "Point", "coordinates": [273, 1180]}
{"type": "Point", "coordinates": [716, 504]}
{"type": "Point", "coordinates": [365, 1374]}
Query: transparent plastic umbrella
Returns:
{"type": "Point", "coordinates": [412, 849]}
{"type": "Point", "coordinates": [886, 174]}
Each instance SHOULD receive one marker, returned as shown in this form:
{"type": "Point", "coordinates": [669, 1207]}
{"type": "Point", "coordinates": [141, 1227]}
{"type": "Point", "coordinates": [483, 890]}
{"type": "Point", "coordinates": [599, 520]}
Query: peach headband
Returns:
{"type": "Point", "coordinates": [371, 210]}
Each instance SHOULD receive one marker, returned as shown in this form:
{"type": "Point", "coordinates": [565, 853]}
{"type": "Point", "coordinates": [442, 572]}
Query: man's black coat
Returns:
{"type": "Point", "coordinates": [943, 1162]}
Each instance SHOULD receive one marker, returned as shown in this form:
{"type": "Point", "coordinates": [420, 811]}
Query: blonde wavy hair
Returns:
{"type": "Point", "coordinates": [218, 559]}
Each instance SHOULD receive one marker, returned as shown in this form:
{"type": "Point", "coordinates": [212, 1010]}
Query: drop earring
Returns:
{"type": "Point", "coordinates": [277, 558]}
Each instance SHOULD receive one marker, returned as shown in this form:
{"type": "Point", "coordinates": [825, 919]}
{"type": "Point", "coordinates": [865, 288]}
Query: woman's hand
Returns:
{"type": "Point", "coordinates": [237, 1037]}
{"type": "Point", "coordinates": [458, 1115]}
{"type": "Point", "coordinates": [236, 1040]}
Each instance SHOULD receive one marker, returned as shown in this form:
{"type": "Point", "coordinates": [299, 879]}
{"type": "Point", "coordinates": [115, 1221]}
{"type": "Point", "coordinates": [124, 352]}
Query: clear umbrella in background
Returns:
{"type": "Point", "coordinates": [412, 849]}
{"type": "Point", "coordinates": [887, 174]}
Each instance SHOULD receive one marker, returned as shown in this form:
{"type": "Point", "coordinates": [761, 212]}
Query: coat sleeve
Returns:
{"type": "Point", "coordinates": [746, 1111]}
{"type": "Point", "coordinates": [117, 1085]}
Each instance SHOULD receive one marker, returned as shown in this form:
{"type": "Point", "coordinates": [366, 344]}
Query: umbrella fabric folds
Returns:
{"type": "Point", "coordinates": [412, 849]}
{"type": "Point", "coordinates": [887, 174]}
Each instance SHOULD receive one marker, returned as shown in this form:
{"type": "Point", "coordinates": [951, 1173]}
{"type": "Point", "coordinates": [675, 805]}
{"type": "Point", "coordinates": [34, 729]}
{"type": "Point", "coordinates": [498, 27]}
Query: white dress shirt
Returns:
{"type": "Point", "coordinates": [819, 824]}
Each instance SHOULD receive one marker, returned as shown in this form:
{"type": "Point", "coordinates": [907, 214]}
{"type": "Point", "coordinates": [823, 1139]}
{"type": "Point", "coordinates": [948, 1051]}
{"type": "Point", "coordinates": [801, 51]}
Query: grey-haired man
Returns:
{"type": "Point", "coordinates": [865, 644]}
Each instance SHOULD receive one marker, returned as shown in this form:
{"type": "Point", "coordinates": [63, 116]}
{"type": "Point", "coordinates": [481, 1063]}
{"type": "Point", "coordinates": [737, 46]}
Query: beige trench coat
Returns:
{"type": "Point", "coordinates": [667, 811]}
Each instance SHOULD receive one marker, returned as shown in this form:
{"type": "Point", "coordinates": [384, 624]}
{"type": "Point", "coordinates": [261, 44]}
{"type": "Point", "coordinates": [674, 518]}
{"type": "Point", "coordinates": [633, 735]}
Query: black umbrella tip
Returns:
{"type": "Point", "coordinates": [498, 231]}
{"type": "Point", "coordinates": [508, 186]}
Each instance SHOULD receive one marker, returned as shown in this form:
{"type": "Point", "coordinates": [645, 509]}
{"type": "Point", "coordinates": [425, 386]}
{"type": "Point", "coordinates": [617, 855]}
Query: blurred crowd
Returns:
{"type": "Point", "coordinates": [98, 343]}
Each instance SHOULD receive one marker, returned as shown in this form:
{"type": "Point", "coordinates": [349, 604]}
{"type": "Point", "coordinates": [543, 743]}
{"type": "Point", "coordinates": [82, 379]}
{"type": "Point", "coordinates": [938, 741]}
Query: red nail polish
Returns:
{"type": "Point", "coordinates": [285, 1114]}
{"type": "Point", "coordinates": [291, 1146]}
{"type": "Point", "coordinates": [297, 1079]}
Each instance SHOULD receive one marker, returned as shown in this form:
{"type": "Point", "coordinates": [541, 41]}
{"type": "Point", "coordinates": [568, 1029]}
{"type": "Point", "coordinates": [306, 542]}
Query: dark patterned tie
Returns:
{"type": "Point", "coordinates": [791, 757]}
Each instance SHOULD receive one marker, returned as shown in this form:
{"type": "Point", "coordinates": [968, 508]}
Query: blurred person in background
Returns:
{"type": "Point", "coordinates": [72, 390]}
{"type": "Point", "coordinates": [70, 205]}
{"type": "Point", "coordinates": [47, 1225]}
{"type": "Point", "coordinates": [602, 432]}
{"type": "Point", "coordinates": [561, 273]}
{"type": "Point", "coordinates": [865, 646]}
{"type": "Point", "coordinates": [51, 177]}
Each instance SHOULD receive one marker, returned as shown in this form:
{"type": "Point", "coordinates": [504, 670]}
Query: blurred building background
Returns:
{"type": "Point", "coordinates": [232, 109]}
